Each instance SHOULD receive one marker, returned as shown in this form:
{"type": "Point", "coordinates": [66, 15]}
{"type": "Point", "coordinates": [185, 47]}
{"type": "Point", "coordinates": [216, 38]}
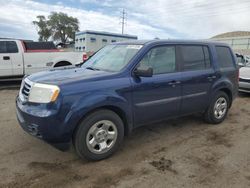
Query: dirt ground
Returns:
{"type": "Point", "coordinates": [178, 153]}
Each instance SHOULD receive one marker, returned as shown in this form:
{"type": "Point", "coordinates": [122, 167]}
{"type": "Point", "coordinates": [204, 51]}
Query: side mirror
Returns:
{"type": "Point", "coordinates": [144, 71]}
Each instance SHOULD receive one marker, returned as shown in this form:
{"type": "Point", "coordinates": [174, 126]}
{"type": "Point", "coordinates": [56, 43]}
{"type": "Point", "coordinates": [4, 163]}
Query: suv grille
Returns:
{"type": "Point", "coordinates": [25, 89]}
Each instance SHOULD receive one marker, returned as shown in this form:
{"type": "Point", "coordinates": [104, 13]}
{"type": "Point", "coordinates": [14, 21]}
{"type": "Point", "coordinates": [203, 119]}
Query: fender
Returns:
{"type": "Point", "coordinates": [89, 103]}
{"type": "Point", "coordinates": [220, 84]}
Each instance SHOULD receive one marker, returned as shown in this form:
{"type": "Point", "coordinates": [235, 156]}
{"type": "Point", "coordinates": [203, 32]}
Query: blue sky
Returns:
{"type": "Point", "coordinates": [188, 19]}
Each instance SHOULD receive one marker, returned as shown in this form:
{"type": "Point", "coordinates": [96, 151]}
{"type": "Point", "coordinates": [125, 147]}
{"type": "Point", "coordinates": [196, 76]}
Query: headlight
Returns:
{"type": "Point", "coordinates": [43, 93]}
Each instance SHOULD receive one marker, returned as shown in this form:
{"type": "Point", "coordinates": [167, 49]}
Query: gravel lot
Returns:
{"type": "Point", "coordinates": [178, 153]}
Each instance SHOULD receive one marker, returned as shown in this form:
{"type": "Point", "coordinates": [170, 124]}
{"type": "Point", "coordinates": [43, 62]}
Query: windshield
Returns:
{"type": "Point", "coordinates": [112, 57]}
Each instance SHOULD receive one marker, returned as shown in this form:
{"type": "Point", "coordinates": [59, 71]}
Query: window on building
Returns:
{"type": "Point", "coordinates": [80, 48]}
{"type": "Point", "coordinates": [161, 59]}
{"type": "Point", "coordinates": [76, 40]}
{"type": "Point", "coordinates": [225, 58]}
{"type": "Point", "coordinates": [83, 47]}
{"type": "Point", "coordinates": [195, 57]}
{"type": "Point", "coordinates": [104, 40]}
{"type": "Point", "coordinates": [113, 40]}
{"type": "Point", "coordinates": [92, 39]}
{"type": "Point", "coordinates": [76, 48]}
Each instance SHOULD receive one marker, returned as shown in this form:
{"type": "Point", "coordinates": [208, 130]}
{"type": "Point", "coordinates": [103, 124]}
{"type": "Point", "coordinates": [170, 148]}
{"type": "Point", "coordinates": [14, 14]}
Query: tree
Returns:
{"type": "Point", "coordinates": [59, 26]}
{"type": "Point", "coordinates": [43, 30]}
{"type": "Point", "coordinates": [63, 27]}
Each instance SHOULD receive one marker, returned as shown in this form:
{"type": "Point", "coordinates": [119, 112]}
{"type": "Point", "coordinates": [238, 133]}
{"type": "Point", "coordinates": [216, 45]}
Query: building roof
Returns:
{"type": "Point", "coordinates": [171, 41]}
{"type": "Point", "coordinates": [104, 33]}
{"type": "Point", "coordinates": [233, 34]}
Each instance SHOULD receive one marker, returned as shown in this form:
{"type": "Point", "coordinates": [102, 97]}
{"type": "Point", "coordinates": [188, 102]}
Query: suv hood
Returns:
{"type": "Point", "coordinates": [62, 76]}
{"type": "Point", "coordinates": [245, 72]}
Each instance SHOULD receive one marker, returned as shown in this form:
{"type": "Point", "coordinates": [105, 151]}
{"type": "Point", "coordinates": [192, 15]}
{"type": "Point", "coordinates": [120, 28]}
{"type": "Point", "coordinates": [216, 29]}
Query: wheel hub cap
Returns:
{"type": "Point", "coordinates": [101, 136]}
{"type": "Point", "coordinates": [220, 108]}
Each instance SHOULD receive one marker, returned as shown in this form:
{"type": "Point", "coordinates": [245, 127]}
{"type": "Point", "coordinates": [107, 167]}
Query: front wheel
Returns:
{"type": "Point", "coordinates": [99, 135]}
{"type": "Point", "coordinates": [217, 110]}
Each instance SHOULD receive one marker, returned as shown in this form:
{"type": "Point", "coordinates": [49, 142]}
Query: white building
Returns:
{"type": "Point", "coordinates": [91, 41]}
{"type": "Point", "coordinates": [238, 40]}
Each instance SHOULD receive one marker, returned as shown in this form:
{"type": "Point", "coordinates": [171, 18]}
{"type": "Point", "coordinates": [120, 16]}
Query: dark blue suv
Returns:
{"type": "Point", "coordinates": [126, 85]}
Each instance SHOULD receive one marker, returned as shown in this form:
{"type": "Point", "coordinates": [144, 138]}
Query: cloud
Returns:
{"type": "Point", "coordinates": [148, 19]}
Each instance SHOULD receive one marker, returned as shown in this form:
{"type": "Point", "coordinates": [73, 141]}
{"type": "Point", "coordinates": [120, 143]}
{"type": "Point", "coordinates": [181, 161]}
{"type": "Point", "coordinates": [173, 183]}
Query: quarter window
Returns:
{"type": "Point", "coordinates": [225, 58]}
{"type": "Point", "coordinates": [195, 57]}
{"type": "Point", "coordinates": [161, 59]}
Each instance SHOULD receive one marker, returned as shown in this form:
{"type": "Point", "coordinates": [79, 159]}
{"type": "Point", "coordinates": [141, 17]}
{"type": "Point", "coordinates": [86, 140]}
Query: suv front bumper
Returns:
{"type": "Point", "coordinates": [44, 124]}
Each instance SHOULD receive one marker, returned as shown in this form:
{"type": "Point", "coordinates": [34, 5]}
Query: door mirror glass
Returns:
{"type": "Point", "coordinates": [144, 71]}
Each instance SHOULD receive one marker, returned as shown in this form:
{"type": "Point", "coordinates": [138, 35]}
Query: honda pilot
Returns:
{"type": "Point", "coordinates": [124, 86]}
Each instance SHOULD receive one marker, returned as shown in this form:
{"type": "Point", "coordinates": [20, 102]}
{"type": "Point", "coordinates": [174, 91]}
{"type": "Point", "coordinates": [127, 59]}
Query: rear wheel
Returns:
{"type": "Point", "coordinates": [217, 110]}
{"type": "Point", "coordinates": [99, 135]}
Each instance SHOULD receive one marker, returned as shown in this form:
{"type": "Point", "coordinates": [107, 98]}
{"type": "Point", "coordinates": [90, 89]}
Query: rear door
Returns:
{"type": "Point", "coordinates": [197, 77]}
{"type": "Point", "coordinates": [5, 61]}
{"type": "Point", "coordinates": [158, 97]}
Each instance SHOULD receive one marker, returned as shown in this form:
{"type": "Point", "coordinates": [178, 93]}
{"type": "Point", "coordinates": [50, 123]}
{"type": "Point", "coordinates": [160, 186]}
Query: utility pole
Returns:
{"type": "Point", "coordinates": [123, 19]}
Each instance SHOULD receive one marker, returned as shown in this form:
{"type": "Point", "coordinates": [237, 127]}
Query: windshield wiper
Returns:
{"type": "Point", "coordinates": [92, 68]}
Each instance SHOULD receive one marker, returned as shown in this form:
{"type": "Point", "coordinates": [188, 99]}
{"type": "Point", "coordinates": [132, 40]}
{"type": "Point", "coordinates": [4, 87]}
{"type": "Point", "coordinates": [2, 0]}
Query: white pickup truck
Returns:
{"type": "Point", "coordinates": [17, 60]}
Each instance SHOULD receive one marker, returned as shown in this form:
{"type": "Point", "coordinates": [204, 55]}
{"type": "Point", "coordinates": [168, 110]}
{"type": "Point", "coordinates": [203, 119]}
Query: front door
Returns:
{"type": "Point", "coordinates": [5, 61]}
{"type": "Point", "coordinates": [158, 97]}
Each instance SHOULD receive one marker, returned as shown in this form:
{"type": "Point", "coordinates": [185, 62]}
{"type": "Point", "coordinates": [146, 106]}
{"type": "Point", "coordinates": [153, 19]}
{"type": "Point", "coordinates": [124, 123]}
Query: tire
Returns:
{"type": "Point", "coordinates": [94, 131]}
{"type": "Point", "coordinates": [212, 114]}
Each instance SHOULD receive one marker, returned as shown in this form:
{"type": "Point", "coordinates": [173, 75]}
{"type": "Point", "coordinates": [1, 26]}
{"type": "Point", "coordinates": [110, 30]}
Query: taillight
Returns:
{"type": "Point", "coordinates": [84, 57]}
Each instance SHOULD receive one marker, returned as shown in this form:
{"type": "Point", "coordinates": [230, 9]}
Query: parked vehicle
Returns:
{"type": "Point", "coordinates": [19, 58]}
{"type": "Point", "coordinates": [126, 85]}
{"type": "Point", "coordinates": [242, 60]}
{"type": "Point", "coordinates": [244, 81]}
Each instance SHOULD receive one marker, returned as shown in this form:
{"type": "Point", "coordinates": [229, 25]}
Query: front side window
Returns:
{"type": "Point", "coordinates": [225, 58]}
{"type": "Point", "coordinates": [3, 47]}
{"type": "Point", "coordinates": [112, 58]}
{"type": "Point", "coordinates": [195, 58]}
{"type": "Point", "coordinates": [161, 59]}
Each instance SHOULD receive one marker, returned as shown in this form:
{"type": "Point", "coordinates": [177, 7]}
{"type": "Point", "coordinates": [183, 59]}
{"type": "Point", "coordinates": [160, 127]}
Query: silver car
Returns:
{"type": "Point", "coordinates": [244, 80]}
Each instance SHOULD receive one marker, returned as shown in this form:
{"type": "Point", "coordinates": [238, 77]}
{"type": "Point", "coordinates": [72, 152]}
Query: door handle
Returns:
{"type": "Point", "coordinates": [6, 57]}
{"type": "Point", "coordinates": [173, 83]}
{"type": "Point", "coordinates": [211, 77]}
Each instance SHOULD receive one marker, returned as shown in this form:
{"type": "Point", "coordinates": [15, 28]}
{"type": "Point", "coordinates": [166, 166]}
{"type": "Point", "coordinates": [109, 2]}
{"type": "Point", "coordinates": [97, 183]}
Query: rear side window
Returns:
{"type": "Point", "coordinates": [8, 47]}
{"type": "Point", "coordinates": [195, 57]}
{"type": "Point", "coordinates": [11, 47]}
{"type": "Point", "coordinates": [225, 58]}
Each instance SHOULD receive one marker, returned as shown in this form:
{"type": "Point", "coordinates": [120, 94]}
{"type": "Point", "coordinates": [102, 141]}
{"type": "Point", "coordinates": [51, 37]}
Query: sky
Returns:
{"type": "Point", "coordinates": [148, 19]}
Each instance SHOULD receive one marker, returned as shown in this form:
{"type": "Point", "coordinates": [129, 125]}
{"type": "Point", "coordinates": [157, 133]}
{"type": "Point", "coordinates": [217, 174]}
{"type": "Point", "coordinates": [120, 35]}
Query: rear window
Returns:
{"type": "Point", "coordinates": [195, 57]}
{"type": "Point", "coordinates": [225, 58]}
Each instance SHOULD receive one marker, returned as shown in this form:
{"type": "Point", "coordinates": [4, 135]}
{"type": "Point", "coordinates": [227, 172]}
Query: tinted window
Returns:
{"type": "Point", "coordinates": [225, 58]}
{"type": "Point", "coordinates": [206, 57]}
{"type": "Point", "coordinates": [161, 59]}
{"type": "Point", "coordinates": [11, 47]}
{"type": "Point", "coordinates": [195, 57]}
{"type": "Point", "coordinates": [3, 47]}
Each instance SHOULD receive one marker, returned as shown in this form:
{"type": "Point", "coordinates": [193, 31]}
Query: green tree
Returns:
{"type": "Point", "coordinates": [59, 26]}
{"type": "Point", "coordinates": [44, 31]}
{"type": "Point", "coordinates": [63, 27]}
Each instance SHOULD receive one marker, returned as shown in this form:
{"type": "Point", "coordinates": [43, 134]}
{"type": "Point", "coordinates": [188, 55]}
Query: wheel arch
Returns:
{"type": "Point", "coordinates": [62, 63]}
